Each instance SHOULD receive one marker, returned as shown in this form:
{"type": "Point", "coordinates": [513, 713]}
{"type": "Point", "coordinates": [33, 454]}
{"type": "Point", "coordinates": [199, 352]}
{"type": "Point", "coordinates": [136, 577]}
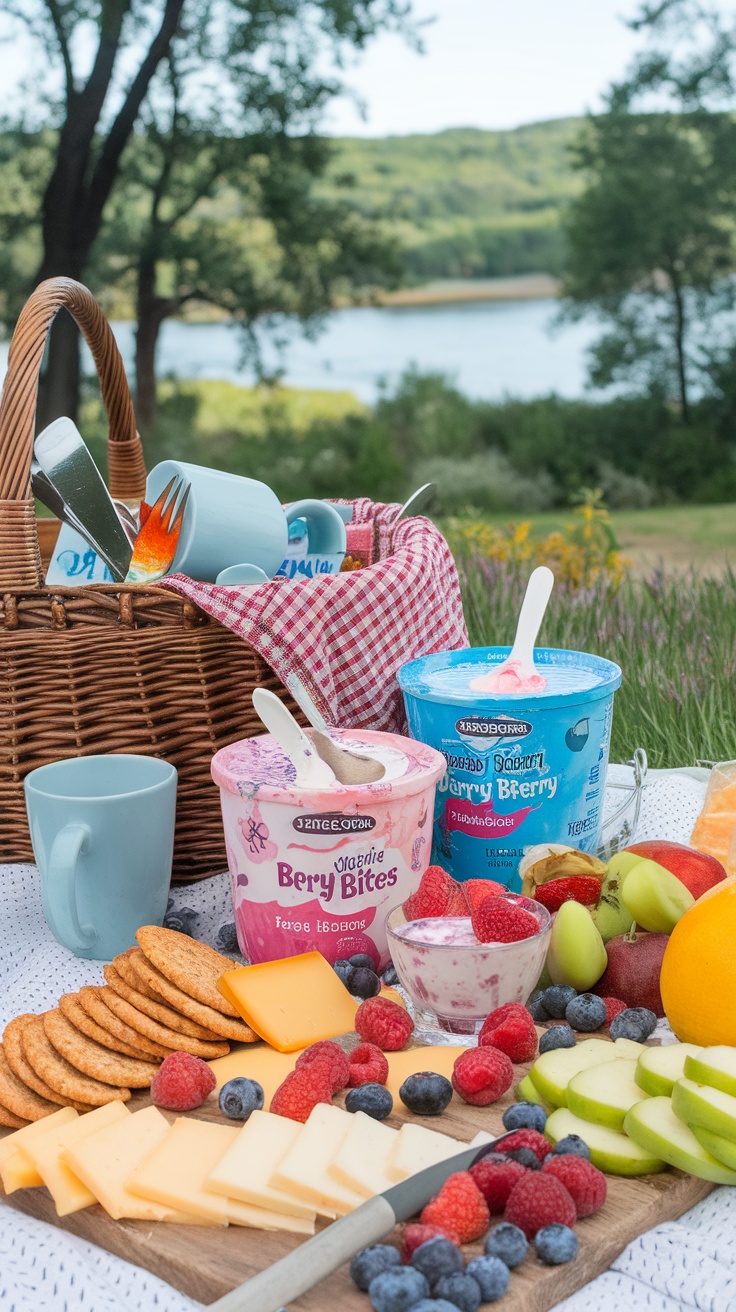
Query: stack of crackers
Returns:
{"type": "Point", "coordinates": [104, 1041]}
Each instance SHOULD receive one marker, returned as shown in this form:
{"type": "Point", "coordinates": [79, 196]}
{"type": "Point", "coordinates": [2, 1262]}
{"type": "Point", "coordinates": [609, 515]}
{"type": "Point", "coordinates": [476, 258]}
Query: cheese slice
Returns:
{"type": "Point", "coordinates": [69, 1193]}
{"type": "Point", "coordinates": [16, 1169]}
{"type": "Point", "coordinates": [255, 1061]}
{"type": "Point", "coordinates": [291, 1003]}
{"type": "Point", "coordinates": [361, 1160]}
{"type": "Point", "coordinates": [416, 1148]}
{"type": "Point", "coordinates": [245, 1169]}
{"type": "Point", "coordinates": [305, 1169]}
{"type": "Point", "coordinates": [106, 1160]}
{"type": "Point", "coordinates": [401, 1065]}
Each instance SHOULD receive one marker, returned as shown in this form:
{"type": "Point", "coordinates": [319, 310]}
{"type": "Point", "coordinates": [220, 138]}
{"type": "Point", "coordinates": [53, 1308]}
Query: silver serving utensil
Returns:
{"type": "Point", "coordinates": [129, 521]}
{"type": "Point", "coordinates": [65, 460]}
{"type": "Point", "coordinates": [349, 767]}
{"type": "Point", "coordinates": [418, 501]}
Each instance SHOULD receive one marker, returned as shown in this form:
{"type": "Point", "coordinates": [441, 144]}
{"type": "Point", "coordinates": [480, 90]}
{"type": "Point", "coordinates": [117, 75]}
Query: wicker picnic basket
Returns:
{"type": "Point", "coordinates": [105, 668]}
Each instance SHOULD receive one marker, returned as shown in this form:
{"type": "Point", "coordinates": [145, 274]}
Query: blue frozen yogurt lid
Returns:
{"type": "Point", "coordinates": [573, 677]}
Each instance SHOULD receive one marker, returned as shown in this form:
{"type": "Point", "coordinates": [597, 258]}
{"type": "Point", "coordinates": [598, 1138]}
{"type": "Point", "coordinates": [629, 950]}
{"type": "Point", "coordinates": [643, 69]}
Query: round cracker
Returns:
{"type": "Point", "coordinates": [10, 1119]}
{"type": "Point", "coordinates": [91, 998]}
{"type": "Point", "coordinates": [61, 1075]}
{"type": "Point", "coordinates": [16, 1059]}
{"type": "Point", "coordinates": [137, 1020]}
{"type": "Point", "coordinates": [146, 976]}
{"type": "Point", "coordinates": [72, 1008]}
{"type": "Point", "coordinates": [92, 1058]}
{"type": "Point", "coordinates": [193, 966]}
{"type": "Point", "coordinates": [157, 1010]}
{"type": "Point", "coordinates": [23, 1102]}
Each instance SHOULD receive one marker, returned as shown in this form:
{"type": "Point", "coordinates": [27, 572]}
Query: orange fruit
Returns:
{"type": "Point", "coordinates": [698, 976]}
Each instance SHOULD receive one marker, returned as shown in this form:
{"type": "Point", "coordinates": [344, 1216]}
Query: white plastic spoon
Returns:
{"type": "Point", "coordinates": [518, 673]}
{"type": "Point", "coordinates": [311, 770]}
{"type": "Point", "coordinates": [350, 767]}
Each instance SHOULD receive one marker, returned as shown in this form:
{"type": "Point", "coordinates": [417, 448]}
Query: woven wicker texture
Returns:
{"type": "Point", "coordinates": [105, 668]}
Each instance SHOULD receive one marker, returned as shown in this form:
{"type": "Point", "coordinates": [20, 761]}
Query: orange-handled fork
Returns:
{"type": "Point", "coordinates": [155, 545]}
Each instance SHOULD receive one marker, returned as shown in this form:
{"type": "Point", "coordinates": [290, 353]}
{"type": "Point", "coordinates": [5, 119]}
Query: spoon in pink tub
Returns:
{"type": "Point", "coordinates": [350, 767]}
{"type": "Point", "coordinates": [311, 770]}
{"type": "Point", "coordinates": [518, 673]}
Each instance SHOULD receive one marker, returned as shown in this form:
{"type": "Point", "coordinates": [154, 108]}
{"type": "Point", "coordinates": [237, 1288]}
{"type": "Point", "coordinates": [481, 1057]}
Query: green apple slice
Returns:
{"type": "Point", "coordinates": [610, 1150]}
{"type": "Point", "coordinates": [552, 1072]}
{"type": "Point", "coordinates": [603, 1094]}
{"type": "Point", "coordinates": [654, 1126]}
{"type": "Point", "coordinates": [724, 1150]}
{"type": "Point", "coordinates": [527, 1091]}
{"type": "Point", "coordinates": [629, 1048]}
{"type": "Point", "coordinates": [697, 1104]}
{"type": "Point", "coordinates": [715, 1066]}
{"type": "Point", "coordinates": [659, 1068]}
{"type": "Point", "coordinates": [654, 897]}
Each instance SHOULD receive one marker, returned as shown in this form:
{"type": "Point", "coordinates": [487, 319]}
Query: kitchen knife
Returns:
{"type": "Point", "coordinates": [316, 1259]}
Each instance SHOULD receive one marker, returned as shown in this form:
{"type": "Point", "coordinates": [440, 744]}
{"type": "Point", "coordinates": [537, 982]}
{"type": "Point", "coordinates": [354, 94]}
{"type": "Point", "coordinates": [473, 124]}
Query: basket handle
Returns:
{"type": "Point", "coordinates": [20, 564]}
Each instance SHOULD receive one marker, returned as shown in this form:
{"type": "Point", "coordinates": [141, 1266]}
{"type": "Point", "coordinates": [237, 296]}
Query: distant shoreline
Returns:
{"type": "Point", "coordinates": [522, 287]}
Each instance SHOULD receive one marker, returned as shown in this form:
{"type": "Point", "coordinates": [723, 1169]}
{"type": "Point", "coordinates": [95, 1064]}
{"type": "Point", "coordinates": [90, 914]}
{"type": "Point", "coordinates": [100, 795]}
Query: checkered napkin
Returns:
{"type": "Point", "coordinates": [346, 635]}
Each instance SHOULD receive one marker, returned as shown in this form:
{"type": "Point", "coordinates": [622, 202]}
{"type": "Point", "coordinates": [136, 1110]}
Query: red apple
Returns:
{"type": "Point", "coordinates": [632, 973]}
{"type": "Point", "coordinates": [696, 870]}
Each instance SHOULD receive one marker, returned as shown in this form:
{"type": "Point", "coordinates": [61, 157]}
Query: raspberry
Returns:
{"type": "Point", "coordinates": [302, 1090]}
{"type": "Point", "coordinates": [497, 920]}
{"type": "Point", "coordinates": [476, 891]}
{"type": "Point", "coordinates": [416, 1234]}
{"type": "Point", "coordinates": [482, 1076]}
{"type": "Point", "coordinates": [182, 1082]}
{"type": "Point", "coordinates": [436, 893]}
{"type": "Point", "coordinates": [510, 1029]}
{"type": "Point", "coordinates": [613, 1007]}
{"type": "Point", "coordinates": [496, 1179]}
{"type": "Point", "coordinates": [367, 1066]}
{"type": "Point", "coordinates": [354, 944]}
{"type": "Point", "coordinates": [385, 1023]}
{"type": "Point", "coordinates": [334, 1058]}
{"type": "Point", "coordinates": [585, 889]}
{"type": "Point", "coordinates": [459, 1206]}
{"type": "Point", "coordinates": [539, 1200]}
{"type": "Point", "coordinates": [540, 1146]}
{"type": "Point", "coordinates": [585, 1184]}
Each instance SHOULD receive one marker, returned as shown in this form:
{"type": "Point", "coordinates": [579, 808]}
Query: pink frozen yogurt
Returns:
{"type": "Point", "coordinates": [510, 677]}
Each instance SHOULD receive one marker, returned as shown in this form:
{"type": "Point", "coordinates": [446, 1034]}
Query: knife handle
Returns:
{"type": "Point", "coordinates": [311, 1262]}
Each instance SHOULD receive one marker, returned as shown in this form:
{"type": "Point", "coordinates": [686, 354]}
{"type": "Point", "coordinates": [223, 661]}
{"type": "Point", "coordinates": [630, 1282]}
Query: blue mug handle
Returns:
{"type": "Point", "coordinates": [58, 888]}
{"type": "Point", "coordinates": [325, 526]}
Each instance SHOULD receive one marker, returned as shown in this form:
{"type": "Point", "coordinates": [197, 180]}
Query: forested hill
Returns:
{"type": "Point", "coordinates": [466, 203]}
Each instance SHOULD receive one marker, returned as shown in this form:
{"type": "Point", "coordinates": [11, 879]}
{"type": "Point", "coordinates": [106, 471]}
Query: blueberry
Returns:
{"type": "Point", "coordinates": [491, 1275]}
{"type": "Point", "coordinates": [342, 969]}
{"type": "Point", "coordinates": [426, 1093]}
{"type": "Point", "coordinates": [239, 1097]}
{"type": "Point", "coordinates": [555, 1244]}
{"type": "Point", "coordinates": [434, 1305]}
{"type": "Point", "coordinates": [556, 998]}
{"type": "Point", "coordinates": [390, 978]}
{"type": "Point", "coordinates": [460, 1290]}
{"type": "Point", "coordinates": [362, 959]}
{"type": "Point", "coordinates": [526, 1157]}
{"type": "Point", "coordinates": [227, 939]}
{"type": "Point", "coordinates": [508, 1243]}
{"type": "Point", "coordinates": [362, 981]}
{"type": "Point", "coordinates": [180, 923]}
{"type": "Point", "coordinates": [635, 1023]}
{"type": "Point", "coordinates": [557, 1036]}
{"type": "Point", "coordinates": [436, 1258]}
{"type": "Point", "coordinates": [397, 1290]}
{"type": "Point", "coordinates": [370, 1262]}
{"type": "Point", "coordinates": [373, 1099]}
{"type": "Point", "coordinates": [525, 1116]}
{"type": "Point", "coordinates": [572, 1144]}
{"type": "Point", "coordinates": [586, 1012]}
{"type": "Point", "coordinates": [537, 1010]}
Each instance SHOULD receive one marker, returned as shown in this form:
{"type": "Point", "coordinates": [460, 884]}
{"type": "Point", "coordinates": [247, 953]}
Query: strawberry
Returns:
{"type": "Point", "coordinates": [585, 1184]}
{"type": "Point", "coordinates": [331, 1053]}
{"type": "Point", "coordinates": [482, 1076]}
{"type": "Point", "coordinates": [302, 1090]}
{"type": "Point", "coordinates": [380, 1021]}
{"type": "Point", "coordinates": [415, 1234]}
{"type": "Point", "coordinates": [498, 920]}
{"type": "Point", "coordinates": [511, 1029]}
{"type": "Point", "coordinates": [585, 889]}
{"type": "Point", "coordinates": [436, 893]}
{"type": "Point", "coordinates": [538, 1199]}
{"type": "Point", "coordinates": [459, 1208]}
{"type": "Point", "coordinates": [476, 891]}
{"type": "Point", "coordinates": [496, 1179]}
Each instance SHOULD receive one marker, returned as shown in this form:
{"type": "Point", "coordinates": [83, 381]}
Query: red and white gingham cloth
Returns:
{"type": "Point", "coordinates": [346, 635]}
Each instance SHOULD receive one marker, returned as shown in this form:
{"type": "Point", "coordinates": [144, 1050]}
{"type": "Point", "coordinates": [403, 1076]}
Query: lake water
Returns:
{"type": "Point", "coordinates": [490, 349]}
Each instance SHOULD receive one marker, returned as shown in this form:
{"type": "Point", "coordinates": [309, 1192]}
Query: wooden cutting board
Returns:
{"type": "Point", "coordinates": [207, 1263]}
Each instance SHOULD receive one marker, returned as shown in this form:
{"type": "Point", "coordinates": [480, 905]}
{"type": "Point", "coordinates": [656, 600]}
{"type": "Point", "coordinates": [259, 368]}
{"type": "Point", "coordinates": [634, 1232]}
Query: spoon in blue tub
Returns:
{"type": "Point", "coordinates": [518, 673]}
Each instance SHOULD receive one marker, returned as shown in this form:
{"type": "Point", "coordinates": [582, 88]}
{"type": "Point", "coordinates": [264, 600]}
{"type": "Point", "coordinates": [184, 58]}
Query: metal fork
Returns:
{"type": "Point", "coordinates": [155, 545]}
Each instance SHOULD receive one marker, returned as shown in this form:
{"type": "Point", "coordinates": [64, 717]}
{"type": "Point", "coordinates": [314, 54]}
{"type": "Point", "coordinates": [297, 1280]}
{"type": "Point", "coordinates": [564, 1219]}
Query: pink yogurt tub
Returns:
{"type": "Point", "coordinates": [319, 869]}
{"type": "Point", "coordinates": [447, 972]}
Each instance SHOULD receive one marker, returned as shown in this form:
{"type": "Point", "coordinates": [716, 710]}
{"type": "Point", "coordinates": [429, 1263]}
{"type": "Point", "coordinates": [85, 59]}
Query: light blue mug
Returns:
{"type": "Point", "coordinates": [102, 829]}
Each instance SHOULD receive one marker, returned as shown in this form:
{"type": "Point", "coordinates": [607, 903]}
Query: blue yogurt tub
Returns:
{"type": "Point", "coordinates": [522, 768]}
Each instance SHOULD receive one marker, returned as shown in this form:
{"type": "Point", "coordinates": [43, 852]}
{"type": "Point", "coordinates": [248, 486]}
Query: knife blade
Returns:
{"type": "Point", "coordinates": [316, 1259]}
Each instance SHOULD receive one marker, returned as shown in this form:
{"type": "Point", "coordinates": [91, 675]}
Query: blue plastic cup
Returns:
{"type": "Point", "coordinates": [521, 768]}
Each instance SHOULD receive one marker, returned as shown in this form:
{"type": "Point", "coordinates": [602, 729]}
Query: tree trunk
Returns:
{"type": "Point", "coordinates": [151, 310]}
{"type": "Point", "coordinates": [58, 392]}
{"type": "Point", "coordinates": [679, 334]}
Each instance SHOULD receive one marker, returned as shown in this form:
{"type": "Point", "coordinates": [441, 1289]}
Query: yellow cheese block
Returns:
{"type": "Point", "coordinates": [255, 1061]}
{"type": "Point", "coordinates": [305, 1169]}
{"type": "Point", "coordinates": [361, 1160]}
{"type": "Point", "coordinates": [245, 1170]}
{"type": "Point", "coordinates": [416, 1148]}
{"type": "Point", "coordinates": [69, 1193]}
{"type": "Point", "coordinates": [175, 1173]}
{"type": "Point", "coordinates": [106, 1160]}
{"type": "Point", "coordinates": [18, 1172]}
{"type": "Point", "coordinates": [291, 1003]}
{"type": "Point", "coordinates": [403, 1064]}
{"type": "Point", "coordinates": [16, 1169]}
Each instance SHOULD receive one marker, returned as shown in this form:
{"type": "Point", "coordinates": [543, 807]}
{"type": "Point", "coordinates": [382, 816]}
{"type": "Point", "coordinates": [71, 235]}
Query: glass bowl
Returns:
{"type": "Point", "coordinates": [456, 985]}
